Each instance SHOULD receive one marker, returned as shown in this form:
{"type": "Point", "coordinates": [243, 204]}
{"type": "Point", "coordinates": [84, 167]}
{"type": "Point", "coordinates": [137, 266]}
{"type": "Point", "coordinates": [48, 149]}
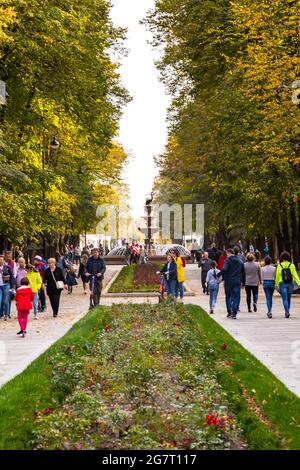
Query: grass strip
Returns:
{"type": "Point", "coordinates": [268, 412]}
{"type": "Point", "coordinates": [31, 391]}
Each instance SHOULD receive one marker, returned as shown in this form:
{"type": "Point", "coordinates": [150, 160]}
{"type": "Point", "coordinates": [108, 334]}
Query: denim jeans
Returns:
{"type": "Point", "coordinates": [269, 288]}
{"type": "Point", "coordinates": [179, 290]}
{"type": "Point", "coordinates": [4, 298]}
{"type": "Point", "coordinates": [170, 285]}
{"type": "Point", "coordinates": [213, 295]}
{"type": "Point", "coordinates": [286, 291]}
{"type": "Point", "coordinates": [251, 290]}
{"type": "Point", "coordinates": [35, 303]}
{"type": "Point", "coordinates": [233, 298]}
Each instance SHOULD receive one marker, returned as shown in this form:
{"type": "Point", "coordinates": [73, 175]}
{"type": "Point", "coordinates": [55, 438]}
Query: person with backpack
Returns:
{"type": "Point", "coordinates": [213, 283]}
{"type": "Point", "coordinates": [286, 275]}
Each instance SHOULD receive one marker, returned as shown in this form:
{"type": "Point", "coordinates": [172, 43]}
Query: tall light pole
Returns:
{"type": "Point", "coordinates": [46, 155]}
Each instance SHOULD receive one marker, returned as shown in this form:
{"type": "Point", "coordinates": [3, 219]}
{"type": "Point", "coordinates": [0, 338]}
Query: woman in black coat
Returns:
{"type": "Point", "coordinates": [53, 274]}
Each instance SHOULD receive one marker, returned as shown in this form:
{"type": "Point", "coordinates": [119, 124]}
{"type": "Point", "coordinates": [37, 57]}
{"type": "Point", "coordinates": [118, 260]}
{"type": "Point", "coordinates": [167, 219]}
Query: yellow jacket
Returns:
{"type": "Point", "coordinates": [35, 280]}
{"type": "Point", "coordinates": [180, 270]}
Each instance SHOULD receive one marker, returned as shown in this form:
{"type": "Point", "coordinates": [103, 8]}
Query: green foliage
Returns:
{"type": "Point", "coordinates": [234, 140]}
{"type": "Point", "coordinates": [56, 62]}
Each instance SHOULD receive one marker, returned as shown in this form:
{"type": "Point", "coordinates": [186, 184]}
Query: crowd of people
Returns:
{"type": "Point", "coordinates": [247, 270]}
{"type": "Point", "coordinates": [29, 283]}
{"type": "Point", "coordinates": [135, 254]}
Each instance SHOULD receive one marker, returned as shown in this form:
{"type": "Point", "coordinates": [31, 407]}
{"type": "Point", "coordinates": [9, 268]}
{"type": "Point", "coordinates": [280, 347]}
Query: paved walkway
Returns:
{"type": "Point", "coordinates": [273, 342]}
{"type": "Point", "coordinates": [17, 353]}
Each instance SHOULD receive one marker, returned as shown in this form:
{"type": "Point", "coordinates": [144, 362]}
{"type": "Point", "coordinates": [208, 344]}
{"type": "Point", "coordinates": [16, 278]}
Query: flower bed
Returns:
{"type": "Point", "coordinates": [137, 278]}
{"type": "Point", "coordinates": [143, 384]}
{"type": "Point", "coordinates": [147, 377]}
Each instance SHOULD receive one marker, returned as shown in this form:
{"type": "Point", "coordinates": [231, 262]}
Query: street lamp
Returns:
{"type": "Point", "coordinates": [46, 153]}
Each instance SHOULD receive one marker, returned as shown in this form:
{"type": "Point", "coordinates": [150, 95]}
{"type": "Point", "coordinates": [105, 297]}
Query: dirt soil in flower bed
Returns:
{"type": "Point", "coordinates": [137, 278]}
{"type": "Point", "coordinates": [143, 382]}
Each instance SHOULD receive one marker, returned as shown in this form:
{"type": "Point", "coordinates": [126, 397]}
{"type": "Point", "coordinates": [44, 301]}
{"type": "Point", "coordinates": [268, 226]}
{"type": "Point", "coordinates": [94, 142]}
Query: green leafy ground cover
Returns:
{"type": "Point", "coordinates": [147, 377]}
{"type": "Point", "coordinates": [137, 278]}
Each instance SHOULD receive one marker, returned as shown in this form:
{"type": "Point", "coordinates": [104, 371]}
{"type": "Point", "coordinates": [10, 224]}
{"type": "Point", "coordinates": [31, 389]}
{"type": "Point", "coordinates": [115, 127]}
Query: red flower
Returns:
{"type": "Point", "coordinates": [107, 328]}
{"type": "Point", "coordinates": [47, 411]}
{"type": "Point", "coordinates": [224, 347]}
{"type": "Point", "coordinates": [215, 420]}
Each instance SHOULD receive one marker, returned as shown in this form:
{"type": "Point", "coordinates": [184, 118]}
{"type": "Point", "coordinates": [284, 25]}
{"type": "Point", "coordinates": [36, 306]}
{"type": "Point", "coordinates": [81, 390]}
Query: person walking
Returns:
{"type": "Point", "coordinates": [40, 265]}
{"type": "Point", "coordinates": [35, 283]}
{"type": "Point", "coordinates": [205, 265]}
{"type": "Point", "coordinates": [77, 251]}
{"type": "Point", "coordinates": [20, 271]}
{"type": "Point", "coordinates": [169, 270]}
{"type": "Point", "coordinates": [55, 282]}
{"type": "Point", "coordinates": [180, 263]}
{"type": "Point", "coordinates": [70, 273]}
{"type": "Point", "coordinates": [194, 250]}
{"type": "Point", "coordinates": [221, 261]}
{"type": "Point", "coordinates": [213, 283]}
{"type": "Point", "coordinates": [95, 270]}
{"type": "Point", "coordinates": [6, 283]}
{"type": "Point", "coordinates": [24, 297]}
{"type": "Point", "coordinates": [82, 271]}
{"type": "Point", "coordinates": [286, 275]}
{"type": "Point", "coordinates": [268, 273]}
{"type": "Point", "coordinates": [233, 274]}
{"type": "Point", "coordinates": [127, 254]}
{"type": "Point", "coordinates": [252, 281]}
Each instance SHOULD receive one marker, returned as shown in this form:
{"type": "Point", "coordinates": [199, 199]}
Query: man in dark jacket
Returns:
{"type": "Point", "coordinates": [233, 274]}
{"type": "Point", "coordinates": [95, 270]}
{"type": "Point", "coordinates": [205, 265]}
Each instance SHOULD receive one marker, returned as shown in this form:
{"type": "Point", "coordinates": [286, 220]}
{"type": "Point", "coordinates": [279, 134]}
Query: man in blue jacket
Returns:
{"type": "Point", "coordinates": [95, 270]}
{"type": "Point", "coordinates": [233, 274]}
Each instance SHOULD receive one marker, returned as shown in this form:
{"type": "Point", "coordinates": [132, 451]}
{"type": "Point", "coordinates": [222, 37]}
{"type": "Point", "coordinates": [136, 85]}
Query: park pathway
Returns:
{"type": "Point", "coordinates": [274, 342]}
{"type": "Point", "coordinates": [17, 353]}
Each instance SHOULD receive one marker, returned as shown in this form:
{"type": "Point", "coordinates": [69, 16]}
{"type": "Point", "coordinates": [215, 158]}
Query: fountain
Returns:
{"type": "Point", "coordinates": [157, 253]}
{"type": "Point", "coordinates": [156, 250]}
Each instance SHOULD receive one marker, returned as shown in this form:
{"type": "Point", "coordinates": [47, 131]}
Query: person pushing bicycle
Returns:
{"type": "Point", "coordinates": [95, 270]}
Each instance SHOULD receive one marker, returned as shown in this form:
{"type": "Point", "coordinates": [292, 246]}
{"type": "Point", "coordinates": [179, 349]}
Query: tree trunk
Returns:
{"type": "Point", "coordinates": [295, 232]}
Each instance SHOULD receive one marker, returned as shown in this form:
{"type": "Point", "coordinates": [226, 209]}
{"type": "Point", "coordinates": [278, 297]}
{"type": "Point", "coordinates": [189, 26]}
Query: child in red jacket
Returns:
{"type": "Point", "coordinates": [24, 297]}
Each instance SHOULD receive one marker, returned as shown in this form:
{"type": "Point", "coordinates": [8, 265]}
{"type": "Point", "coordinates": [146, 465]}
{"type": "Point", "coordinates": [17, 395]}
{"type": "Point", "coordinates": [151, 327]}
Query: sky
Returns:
{"type": "Point", "coordinates": [143, 128]}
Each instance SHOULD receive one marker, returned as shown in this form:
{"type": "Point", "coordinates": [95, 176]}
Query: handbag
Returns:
{"type": "Point", "coordinates": [59, 284]}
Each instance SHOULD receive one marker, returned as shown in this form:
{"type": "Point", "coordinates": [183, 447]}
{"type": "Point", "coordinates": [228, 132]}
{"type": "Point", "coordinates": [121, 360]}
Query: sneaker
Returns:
{"type": "Point", "coordinates": [233, 316]}
{"type": "Point", "coordinates": [287, 315]}
{"type": "Point", "coordinates": [249, 310]}
{"type": "Point", "coordinates": [23, 334]}
{"type": "Point", "coordinates": [85, 291]}
{"type": "Point", "coordinates": [20, 332]}
{"type": "Point", "coordinates": [255, 307]}
{"type": "Point", "coordinates": [269, 314]}
{"type": "Point", "coordinates": [229, 315]}
{"type": "Point", "coordinates": [211, 312]}
{"type": "Point", "coordinates": [36, 317]}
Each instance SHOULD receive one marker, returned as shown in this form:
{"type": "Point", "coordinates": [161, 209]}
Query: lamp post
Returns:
{"type": "Point", "coordinates": [46, 155]}
{"type": "Point", "coordinates": [149, 200]}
